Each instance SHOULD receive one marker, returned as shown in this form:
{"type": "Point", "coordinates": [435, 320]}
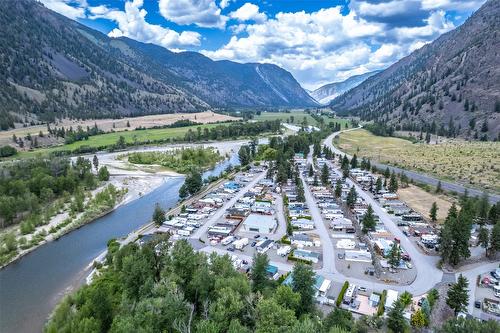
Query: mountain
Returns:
{"type": "Point", "coordinates": [450, 86]}
{"type": "Point", "coordinates": [53, 67]}
{"type": "Point", "coordinates": [325, 94]}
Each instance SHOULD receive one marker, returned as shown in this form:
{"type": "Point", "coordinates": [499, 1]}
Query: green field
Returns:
{"type": "Point", "coordinates": [469, 163]}
{"type": "Point", "coordinates": [298, 118]}
{"type": "Point", "coordinates": [112, 138]}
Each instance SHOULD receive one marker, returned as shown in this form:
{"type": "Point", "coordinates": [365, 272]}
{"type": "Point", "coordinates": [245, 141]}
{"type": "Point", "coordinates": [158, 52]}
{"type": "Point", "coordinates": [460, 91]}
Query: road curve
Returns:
{"type": "Point", "coordinates": [419, 177]}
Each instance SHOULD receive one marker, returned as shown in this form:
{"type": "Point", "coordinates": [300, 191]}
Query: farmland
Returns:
{"type": "Point", "coordinates": [470, 163]}
{"type": "Point", "coordinates": [129, 136]}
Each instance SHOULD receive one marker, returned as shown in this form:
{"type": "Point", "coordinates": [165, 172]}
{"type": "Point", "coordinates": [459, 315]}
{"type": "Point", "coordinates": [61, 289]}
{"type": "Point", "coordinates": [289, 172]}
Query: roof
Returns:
{"type": "Point", "coordinates": [306, 254]}
{"type": "Point", "coordinates": [271, 269]}
{"type": "Point", "coordinates": [392, 296]}
{"type": "Point", "coordinates": [301, 237]}
{"type": "Point", "coordinates": [258, 220]}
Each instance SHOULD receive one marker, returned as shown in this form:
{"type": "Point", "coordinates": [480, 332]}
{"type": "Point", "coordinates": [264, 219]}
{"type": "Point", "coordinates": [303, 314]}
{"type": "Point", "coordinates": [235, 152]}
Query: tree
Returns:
{"type": "Point", "coordinates": [393, 183]}
{"type": "Point", "coordinates": [258, 274]}
{"type": "Point", "coordinates": [461, 325]}
{"type": "Point", "coordinates": [378, 185]}
{"type": "Point", "coordinates": [396, 321]}
{"type": "Point", "coordinates": [303, 283]}
{"type": "Point", "coordinates": [183, 192]}
{"type": "Point", "coordinates": [458, 298]}
{"type": "Point", "coordinates": [438, 187]}
{"type": "Point", "coordinates": [158, 215]}
{"type": "Point", "coordinates": [455, 235]}
{"type": "Point", "coordinates": [354, 162]}
{"type": "Point", "coordinates": [311, 171]}
{"type": "Point", "coordinates": [368, 220]}
{"type": "Point", "coordinates": [394, 256]}
{"type": "Point", "coordinates": [339, 318]}
{"type": "Point", "coordinates": [352, 196]}
{"type": "Point", "coordinates": [287, 298]}
{"type": "Point", "coordinates": [418, 319]}
{"type": "Point", "coordinates": [193, 182]}
{"type": "Point", "coordinates": [433, 212]}
{"type": "Point", "coordinates": [406, 298]}
{"type": "Point", "coordinates": [244, 155]}
{"type": "Point", "coordinates": [387, 172]}
{"type": "Point", "coordinates": [315, 180]}
{"type": "Point", "coordinates": [273, 318]}
{"type": "Point", "coordinates": [338, 189]}
{"type": "Point", "coordinates": [128, 123]}
{"type": "Point", "coordinates": [432, 297]}
{"type": "Point", "coordinates": [483, 237]}
{"type": "Point", "coordinates": [103, 174]}
{"type": "Point", "coordinates": [325, 175]}
{"type": "Point", "coordinates": [495, 239]}
{"type": "Point", "coordinates": [95, 162]}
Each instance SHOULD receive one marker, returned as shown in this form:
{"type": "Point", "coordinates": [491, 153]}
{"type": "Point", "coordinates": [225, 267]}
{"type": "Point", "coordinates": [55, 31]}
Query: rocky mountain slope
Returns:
{"type": "Point", "coordinates": [450, 86]}
{"type": "Point", "coordinates": [325, 94]}
{"type": "Point", "coordinates": [53, 67]}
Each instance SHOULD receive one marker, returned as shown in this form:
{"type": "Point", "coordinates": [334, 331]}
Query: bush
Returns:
{"type": "Point", "coordinates": [7, 151]}
{"type": "Point", "coordinates": [285, 240]}
{"type": "Point", "coordinates": [340, 297]}
{"type": "Point", "coordinates": [292, 258]}
{"type": "Point", "coordinates": [381, 308]}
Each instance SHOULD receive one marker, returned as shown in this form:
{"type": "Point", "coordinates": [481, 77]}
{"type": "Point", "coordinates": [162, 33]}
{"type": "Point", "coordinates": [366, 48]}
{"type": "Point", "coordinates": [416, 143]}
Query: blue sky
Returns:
{"type": "Point", "coordinates": [318, 41]}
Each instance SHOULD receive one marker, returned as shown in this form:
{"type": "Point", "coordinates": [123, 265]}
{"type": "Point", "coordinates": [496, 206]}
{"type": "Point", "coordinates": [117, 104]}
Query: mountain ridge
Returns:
{"type": "Point", "coordinates": [450, 86]}
{"type": "Point", "coordinates": [326, 93]}
{"type": "Point", "coordinates": [54, 67]}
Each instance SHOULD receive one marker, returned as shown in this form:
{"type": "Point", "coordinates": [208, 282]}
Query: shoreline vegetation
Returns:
{"type": "Point", "coordinates": [65, 215]}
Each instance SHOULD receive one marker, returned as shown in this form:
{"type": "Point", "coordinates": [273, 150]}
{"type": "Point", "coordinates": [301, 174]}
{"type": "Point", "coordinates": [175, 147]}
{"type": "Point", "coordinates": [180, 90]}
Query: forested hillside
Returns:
{"type": "Point", "coordinates": [450, 87]}
{"type": "Point", "coordinates": [53, 67]}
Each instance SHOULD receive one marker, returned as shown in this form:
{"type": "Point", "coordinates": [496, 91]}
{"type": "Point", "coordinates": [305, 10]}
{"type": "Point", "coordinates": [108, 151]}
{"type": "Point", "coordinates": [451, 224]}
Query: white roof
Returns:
{"type": "Point", "coordinates": [392, 296]}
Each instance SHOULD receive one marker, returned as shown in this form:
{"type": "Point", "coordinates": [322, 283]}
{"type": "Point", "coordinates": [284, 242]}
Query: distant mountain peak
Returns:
{"type": "Point", "coordinates": [325, 94]}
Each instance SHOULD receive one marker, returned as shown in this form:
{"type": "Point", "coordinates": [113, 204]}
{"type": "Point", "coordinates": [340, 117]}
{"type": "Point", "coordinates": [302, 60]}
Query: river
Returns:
{"type": "Point", "coordinates": [31, 287]}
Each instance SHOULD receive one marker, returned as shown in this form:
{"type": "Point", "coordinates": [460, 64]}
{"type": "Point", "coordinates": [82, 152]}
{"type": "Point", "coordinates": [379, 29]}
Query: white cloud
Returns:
{"type": "Point", "coordinates": [458, 5]}
{"type": "Point", "coordinates": [203, 13]}
{"type": "Point", "coordinates": [132, 24]}
{"type": "Point", "coordinates": [326, 46]}
{"type": "Point", "coordinates": [383, 9]}
{"type": "Point", "coordinates": [224, 3]}
{"type": "Point", "coordinates": [248, 12]}
{"type": "Point", "coordinates": [73, 9]}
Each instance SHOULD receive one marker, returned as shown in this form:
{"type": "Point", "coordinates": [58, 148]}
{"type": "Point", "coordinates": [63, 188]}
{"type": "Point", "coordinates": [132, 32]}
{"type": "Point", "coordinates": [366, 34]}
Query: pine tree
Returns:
{"type": "Point", "coordinates": [438, 187]}
{"type": "Point", "coordinates": [354, 162]}
{"type": "Point", "coordinates": [394, 255]}
{"type": "Point", "coordinates": [396, 321]}
{"type": "Point", "coordinates": [311, 171]}
{"type": "Point", "coordinates": [338, 189]}
{"type": "Point", "coordinates": [351, 197]}
{"type": "Point", "coordinates": [378, 185]}
{"type": "Point", "coordinates": [458, 297]}
{"type": "Point", "coordinates": [368, 220]}
{"type": "Point", "coordinates": [483, 237]}
{"type": "Point", "coordinates": [393, 183]}
{"type": "Point", "coordinates": [258, 273]}
{"type": "Point", "coordinates": [433, 212]}
{"type": "Point", "coordinates": [325, 175]}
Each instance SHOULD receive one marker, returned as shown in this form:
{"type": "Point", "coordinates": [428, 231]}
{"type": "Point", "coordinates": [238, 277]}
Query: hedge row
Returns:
{"type": "Point", "coordinates": [340, 297]}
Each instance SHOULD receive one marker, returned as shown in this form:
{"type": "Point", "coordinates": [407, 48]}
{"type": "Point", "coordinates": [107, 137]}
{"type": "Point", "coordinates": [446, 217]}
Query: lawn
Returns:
{"type": "Point", "coordinates": [298, 118]}
{"type": "Point", "coordinates": [470, 163]}
{"type": "Point", "coordinates": [421, 201]}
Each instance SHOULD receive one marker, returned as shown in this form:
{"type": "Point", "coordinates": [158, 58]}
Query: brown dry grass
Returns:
{"type": "Point", "coordinates": [421, 201]}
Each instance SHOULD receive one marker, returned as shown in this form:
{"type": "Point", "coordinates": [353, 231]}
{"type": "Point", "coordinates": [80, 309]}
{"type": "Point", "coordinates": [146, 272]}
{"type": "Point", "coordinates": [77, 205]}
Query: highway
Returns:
{"type": "Point", "coordinates": [418, 177]}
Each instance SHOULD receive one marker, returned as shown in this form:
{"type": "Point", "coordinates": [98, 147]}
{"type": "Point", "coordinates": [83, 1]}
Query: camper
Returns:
{"type": "Point", "coordinates": [228, 240]}
{"type": "Point", "coordinates": [183, 232]}
{"type": "Point", "coordinates": [240, 243]}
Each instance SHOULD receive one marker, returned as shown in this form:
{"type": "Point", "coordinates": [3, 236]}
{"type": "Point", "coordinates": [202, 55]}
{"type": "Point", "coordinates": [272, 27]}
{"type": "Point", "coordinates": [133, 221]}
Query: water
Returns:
{"type": "Point", "coordinates": [31, 287]}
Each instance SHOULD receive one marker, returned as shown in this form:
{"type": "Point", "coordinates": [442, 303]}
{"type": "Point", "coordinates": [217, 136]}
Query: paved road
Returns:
{"type": "Point", "coordinates": [419, 177]}
{"type": "Point", "coordinates": [471, 274]}
{"type": "Point", "coordinates": [221, 211]}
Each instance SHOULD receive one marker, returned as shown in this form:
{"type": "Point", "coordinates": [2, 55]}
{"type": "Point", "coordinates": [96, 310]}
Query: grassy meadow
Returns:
{"type": "Point", "coordinates": [112, 138]}
{"type": "Point", "coordinates": [470, 163]}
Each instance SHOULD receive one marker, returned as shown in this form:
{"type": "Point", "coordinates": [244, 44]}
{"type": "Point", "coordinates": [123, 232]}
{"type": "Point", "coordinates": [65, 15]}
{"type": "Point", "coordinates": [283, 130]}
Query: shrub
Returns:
{"type": "Point", "coordinates": [340, 297]}
{"type": "Point", "coordinates": [381, 309]}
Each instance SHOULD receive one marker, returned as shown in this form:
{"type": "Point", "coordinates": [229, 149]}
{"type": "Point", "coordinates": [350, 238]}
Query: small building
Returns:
{"type": "Point", "coordinates": [263, 207]}
{"type": "Point", "coordinates": [264, 224]}
{"type": "Point", "coordinates": [233, 186]}
{"type": "Point", "coordinates": [302, 223]}
{"type": "Point", "coordinates": [304, 240]}
{"type": "Point", "coordinates": [265, 245]}
{"type": "Point", "coordinates": [374, 300]}
{"type": "Point", "coordinates": [306, 255]}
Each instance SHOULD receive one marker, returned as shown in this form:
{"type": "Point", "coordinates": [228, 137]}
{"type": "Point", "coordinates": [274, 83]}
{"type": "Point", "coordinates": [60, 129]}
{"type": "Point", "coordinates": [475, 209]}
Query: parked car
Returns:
{"type": "Point", "coordinates": [477, 304]}
{"type": "Point", "coordinates": [495, 275]}
{"type": "Point", "coordinates": [256, 236]}
{"type": "Point", "coordinates": [253, 244]}
{"type": "Point", "coordinates": [362, 288]}
{"type": "Point", "coordinates": [340, 255]}
{"type": "Point", "coordinates": [420, 301]}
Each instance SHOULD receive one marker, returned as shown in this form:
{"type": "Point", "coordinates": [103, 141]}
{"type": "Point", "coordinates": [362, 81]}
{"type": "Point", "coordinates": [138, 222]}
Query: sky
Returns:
{"type": "Point", "coordinates": [318, 41]}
